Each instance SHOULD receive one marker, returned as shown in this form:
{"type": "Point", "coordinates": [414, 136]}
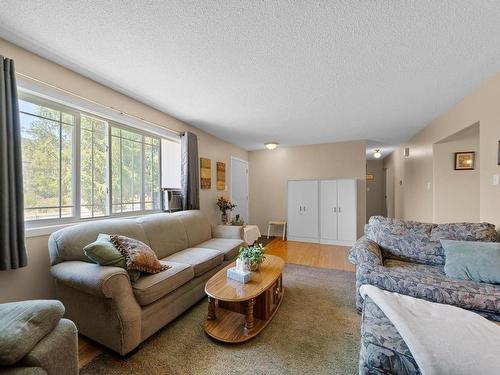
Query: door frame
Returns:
{"type": "Point", "coordinates": [234, 158]}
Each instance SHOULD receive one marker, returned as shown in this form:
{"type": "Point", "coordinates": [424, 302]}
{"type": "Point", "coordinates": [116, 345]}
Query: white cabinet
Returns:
{"type": "Point", "coordinates": [303, 210]}
{"type": "Point", "coordinates": [322, 211]}
{"type": "Point", "coordinates": [346, 195]}
{"type": "Point", "coordinates": [328, 210]}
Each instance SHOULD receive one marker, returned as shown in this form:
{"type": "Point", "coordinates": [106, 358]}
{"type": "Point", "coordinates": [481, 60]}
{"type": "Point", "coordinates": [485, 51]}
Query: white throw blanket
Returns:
{"type": "Point", "coordinates": [443, 339]}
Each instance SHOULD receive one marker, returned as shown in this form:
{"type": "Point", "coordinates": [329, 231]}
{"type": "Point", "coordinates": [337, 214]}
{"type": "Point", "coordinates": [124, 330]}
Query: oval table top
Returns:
{"type": "Point", "coordinates": [223, 288]}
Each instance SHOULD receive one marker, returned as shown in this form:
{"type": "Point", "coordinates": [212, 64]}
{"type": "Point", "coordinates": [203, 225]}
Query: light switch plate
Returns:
{"type": "Point", "coordinates": [496, 178]}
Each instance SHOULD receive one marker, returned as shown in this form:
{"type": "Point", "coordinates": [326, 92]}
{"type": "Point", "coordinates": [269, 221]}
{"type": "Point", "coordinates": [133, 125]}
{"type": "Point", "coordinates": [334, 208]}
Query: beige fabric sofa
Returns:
{"type": "Point", "coordinates": [111, 310]}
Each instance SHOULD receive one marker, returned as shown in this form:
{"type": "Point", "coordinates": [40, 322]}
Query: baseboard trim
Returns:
{"type": "Point", "coordinates": [322, 241]}
{"type": "Point", "coordinates": [336, 242]}
{"type": "Point", "coordinates": [302, 239]}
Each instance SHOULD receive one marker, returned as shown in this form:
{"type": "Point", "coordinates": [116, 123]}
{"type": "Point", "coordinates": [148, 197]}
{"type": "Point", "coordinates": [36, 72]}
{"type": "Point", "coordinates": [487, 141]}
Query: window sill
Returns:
{"type": "Point", "coordinates": [40, 230]}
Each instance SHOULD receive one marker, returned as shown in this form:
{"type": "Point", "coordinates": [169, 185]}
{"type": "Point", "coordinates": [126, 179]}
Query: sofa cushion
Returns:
{"type": "Point", "coordinates": [201, 259]}
{"type": "Point", "coordinates": [24, 324]}
{"type": "Point", "coordinates": [139, 256]}
{"type": "Point", "coordinates": [104, 253]}
{"type": "Point", "coordinates": [150, 288]}
{"type": "Point", "coordinates": [165, 232]}
{"type": "Point", "coordinates": [472, 260]}
{"type": "Point", "coordinates": [68, 243]}
{"type": "Point", "coordinates": [464, 232]}
{"type": "Point", "coordinates": [196, 225]}
{"type": "Point", "coordinates": [405, 240]}
{"type": "Point", "coordinates": [430, 283]}
{"type": "Point", "coordinates": [229, 247]}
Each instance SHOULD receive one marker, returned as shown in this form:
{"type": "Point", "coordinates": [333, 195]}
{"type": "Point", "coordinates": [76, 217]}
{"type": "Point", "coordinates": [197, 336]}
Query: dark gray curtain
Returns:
{"type": "Point", "coordinates": [190, 172]}
{"type": "Point", "coordinates": [12, 247]}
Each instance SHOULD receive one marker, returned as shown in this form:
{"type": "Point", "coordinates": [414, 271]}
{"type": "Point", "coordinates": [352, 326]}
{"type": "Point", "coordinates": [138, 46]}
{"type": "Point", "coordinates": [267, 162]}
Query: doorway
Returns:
{"type": "Point", "coordinates": [239, 187]}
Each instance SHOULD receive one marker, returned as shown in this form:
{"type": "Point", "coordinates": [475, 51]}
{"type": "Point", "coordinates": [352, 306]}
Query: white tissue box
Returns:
{"type": "Point", "coordinates": [240, 276]}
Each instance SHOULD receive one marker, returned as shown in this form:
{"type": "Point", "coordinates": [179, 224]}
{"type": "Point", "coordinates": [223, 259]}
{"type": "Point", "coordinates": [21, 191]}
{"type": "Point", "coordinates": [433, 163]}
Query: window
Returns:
{"type": "Point", "coordinates": [135, 165]}
{"type": "Point", "coordinates": [77, 165]}
{"type": "Point", "coordinates": [47, 144]}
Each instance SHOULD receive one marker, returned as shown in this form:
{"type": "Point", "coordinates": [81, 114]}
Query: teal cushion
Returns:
{"type": "Point", "coordinates": [24, 324]}
{"type": "Point", "coordinates": [103, 252]}
{"type": "Point", "coordinates": [468, 260]}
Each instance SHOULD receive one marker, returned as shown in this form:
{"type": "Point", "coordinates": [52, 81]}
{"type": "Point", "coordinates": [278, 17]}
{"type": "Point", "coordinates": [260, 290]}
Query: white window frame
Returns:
{"type": "Point", "coordinates": [47, 226]}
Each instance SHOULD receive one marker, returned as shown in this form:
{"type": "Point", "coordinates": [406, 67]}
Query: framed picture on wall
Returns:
{"type": "Point", "coordinates": [464, 161]}
{"type": "Point", "coordinates": [205, 173]}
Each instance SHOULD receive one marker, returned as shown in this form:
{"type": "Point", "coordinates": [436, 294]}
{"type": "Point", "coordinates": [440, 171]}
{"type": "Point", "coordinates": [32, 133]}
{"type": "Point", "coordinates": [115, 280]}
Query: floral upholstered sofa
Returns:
{"type": "Point", "coordinates": [383, 350]}
{"type": "Point", "coordinates": [406, 257]}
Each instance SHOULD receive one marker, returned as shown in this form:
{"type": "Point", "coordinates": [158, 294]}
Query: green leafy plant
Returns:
{"type": "Point", "coordinates": [253, 255]}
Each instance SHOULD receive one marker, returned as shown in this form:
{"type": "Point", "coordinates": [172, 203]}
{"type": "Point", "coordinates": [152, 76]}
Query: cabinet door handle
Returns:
{"type": "Point", "coordinates": [340, 210]}
{"type": "Point", "coordinates": [300, 208]}
{"type": "Point", "coordinates": [335, 209]}
{"type": "Point", "coordinates": [304, 208]}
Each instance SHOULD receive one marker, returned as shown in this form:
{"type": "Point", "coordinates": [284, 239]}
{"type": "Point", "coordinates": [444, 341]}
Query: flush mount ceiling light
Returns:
{"type": "Point", "coordinates": [271, 145]}
{"type": "Point", "coordinates": [377, 154]}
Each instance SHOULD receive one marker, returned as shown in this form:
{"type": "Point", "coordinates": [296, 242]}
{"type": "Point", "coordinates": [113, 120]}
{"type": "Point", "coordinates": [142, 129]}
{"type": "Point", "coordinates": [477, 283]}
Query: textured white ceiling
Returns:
{"type": "Point", "coordinates": [299, 72]}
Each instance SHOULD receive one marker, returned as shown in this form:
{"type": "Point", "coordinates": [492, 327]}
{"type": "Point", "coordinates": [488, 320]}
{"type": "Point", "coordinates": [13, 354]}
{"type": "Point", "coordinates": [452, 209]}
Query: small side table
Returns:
{"type": "Point", "coordinates": [282, 223]}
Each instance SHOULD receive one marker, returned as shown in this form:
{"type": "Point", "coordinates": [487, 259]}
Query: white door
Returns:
{"type": "Point", "coordinates": [346, 193]}
{"type": "Point", "coordinates": [239, 188]}
{"type": "Point", "coordinates": [328, 210]}
{"type": "Point", "coordinates": [303, 211]}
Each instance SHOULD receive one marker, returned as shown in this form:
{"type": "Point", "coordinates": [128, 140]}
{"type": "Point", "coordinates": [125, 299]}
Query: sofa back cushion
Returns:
{"type": "Point", "coordinates": [68, 243]}
{"type": "Point", "coordinates": [165, 232]}
{"type": "Point", "coordinates": [406, 240]}
{"type": "Point", "coordinates": [484, 232]}
{"type": "Point", "coordinates": [197, 226]}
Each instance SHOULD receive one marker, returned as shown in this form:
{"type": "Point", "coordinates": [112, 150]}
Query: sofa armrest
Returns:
{"type": "Point", "coordinates": [227, 231]}
{"type": "Point", "coordinates": [366, 251]}
{"type": "Point", "coordinates": [90, 278]}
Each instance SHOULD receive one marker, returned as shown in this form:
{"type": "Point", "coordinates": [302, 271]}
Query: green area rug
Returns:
{"type": "Point", "coordinates": [315, 331]}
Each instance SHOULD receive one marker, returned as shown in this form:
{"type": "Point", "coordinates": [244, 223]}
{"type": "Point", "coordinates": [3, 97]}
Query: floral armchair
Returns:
{"type": "Point", "coordinates": [406, 257]}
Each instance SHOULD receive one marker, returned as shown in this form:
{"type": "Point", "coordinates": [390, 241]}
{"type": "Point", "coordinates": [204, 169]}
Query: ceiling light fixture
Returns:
{"type": "Point", "coordinates": [377, 154]}
{"type": "Point", "coordinates": [271, 145]}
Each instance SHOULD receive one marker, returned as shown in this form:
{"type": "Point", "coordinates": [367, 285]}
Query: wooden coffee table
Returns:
{"type": "Point", "coordinates": [238, 312]}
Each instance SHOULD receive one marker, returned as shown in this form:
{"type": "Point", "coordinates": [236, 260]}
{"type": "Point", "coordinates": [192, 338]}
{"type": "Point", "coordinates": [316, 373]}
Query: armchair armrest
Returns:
{"type": "Point", "coordinates": [366, 251]}
{"type": "Point", "coordinates": [227, 231]}
{"type": "Point", "coordinates": [91, 278]}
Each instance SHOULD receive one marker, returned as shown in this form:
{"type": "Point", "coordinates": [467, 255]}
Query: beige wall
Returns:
{"type": "Point", "coordinates": [456, 193]}
{"type": "Point", "coordinates": [270, 171]}
{"type": "Point", "coordinates": [34, 281]}
{"type": "Point", "coordinates": [413, 199]}
{"type": "Point", "coordinates": [375, 189]}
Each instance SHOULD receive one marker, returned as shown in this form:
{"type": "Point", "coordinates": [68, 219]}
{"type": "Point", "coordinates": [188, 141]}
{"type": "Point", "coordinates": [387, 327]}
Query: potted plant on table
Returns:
{"type": "Point", "coordinates": [252, 256]}
{"type": "Point", "coordinates": [224, 205]}
{"type": "Point", "coordinates": [238, 221]}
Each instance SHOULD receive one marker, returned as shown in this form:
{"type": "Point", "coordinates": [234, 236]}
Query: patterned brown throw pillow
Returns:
{"type": "Point", "coordinates": [139, 256]}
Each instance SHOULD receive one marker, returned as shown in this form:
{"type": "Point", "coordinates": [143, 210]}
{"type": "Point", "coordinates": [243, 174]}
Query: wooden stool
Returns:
{"type": "Point", "coordinates": [283, 223]}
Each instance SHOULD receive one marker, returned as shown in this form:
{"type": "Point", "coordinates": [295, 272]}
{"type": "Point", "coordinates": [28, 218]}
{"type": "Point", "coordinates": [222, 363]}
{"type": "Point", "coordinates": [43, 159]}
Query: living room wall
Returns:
{"type": "Point", "coordinates": [34, 281]}
{"type": "Point", "coordinates": [456, 192]}
{"type": "Point", "coordinates": [413, 197]}
{"type": "Point", "coordinates": [271, 170]}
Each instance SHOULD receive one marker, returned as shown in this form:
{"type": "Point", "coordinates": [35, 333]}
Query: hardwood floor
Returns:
{"type": "Point", "coordinates": [307, 254]}
{"type": "Point", "coordinates": [311, 254]}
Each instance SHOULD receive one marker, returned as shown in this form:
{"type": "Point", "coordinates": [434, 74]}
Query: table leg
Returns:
{"type": "Point", "coordinates": [249, 314]}
{"type": "Point", "coordinates": [211, 309]}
